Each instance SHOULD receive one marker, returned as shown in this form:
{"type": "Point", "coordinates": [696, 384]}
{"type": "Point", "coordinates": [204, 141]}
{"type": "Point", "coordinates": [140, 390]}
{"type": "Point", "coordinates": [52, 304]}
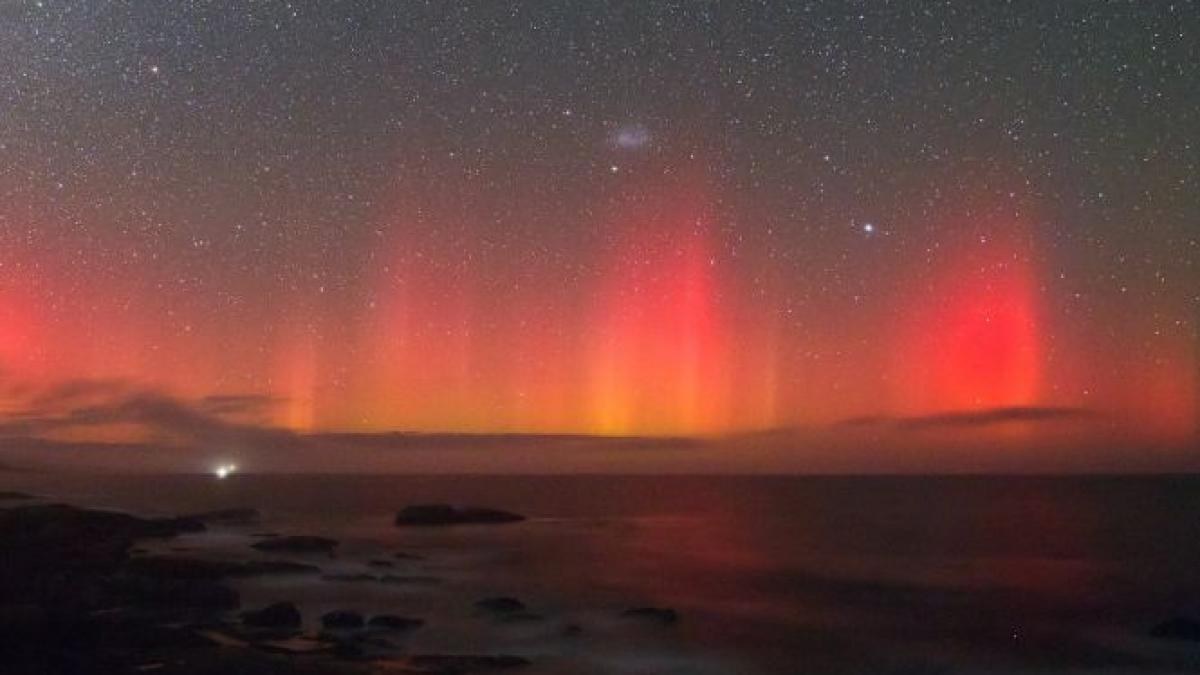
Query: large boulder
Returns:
{"type": "Point", "coordinates": [278, 615]}
{"type": "Point", "coordinates": [341, 619]}
{"type": "Point", "coordinates": [445, 514]}
{"type": "Point", "coordinates": [393, 622]}
{"type": "Point", "coordinates": [501, 605]}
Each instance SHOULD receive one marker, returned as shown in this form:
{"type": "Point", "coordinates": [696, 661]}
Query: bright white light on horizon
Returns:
{"type": "Point", "coordinates": [225, 470]}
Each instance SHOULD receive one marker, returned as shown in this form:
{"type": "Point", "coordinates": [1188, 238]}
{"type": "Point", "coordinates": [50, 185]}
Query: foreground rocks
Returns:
{"type": "Point", "coordinates": [278, 615]}
{"type": "Point", "coordinates": [393, 622]}
{"type": "Point", "coordinates": [342, 619]}
{"type": "Point", "coordinates": [501, 605]}
{"type": "Point", "coordinates": [71, 603]}
{"type": "Point", "coordinates": [74, 599]}
{"type": "Point", "coordinates": [430, 515]}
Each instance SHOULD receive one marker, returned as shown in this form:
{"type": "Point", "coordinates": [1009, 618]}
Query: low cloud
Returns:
{"type": "Point", "coordinates": [82, 408]}
{"type": "Point", "coordinates": [975, 419]}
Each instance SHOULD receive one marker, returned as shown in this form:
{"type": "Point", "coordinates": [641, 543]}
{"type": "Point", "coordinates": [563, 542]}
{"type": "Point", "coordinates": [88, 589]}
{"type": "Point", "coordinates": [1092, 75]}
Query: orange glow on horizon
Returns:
{"type": "Point", "coordinates": [659, 334]}
{"type": "Point", "coordinates": [660, 346]}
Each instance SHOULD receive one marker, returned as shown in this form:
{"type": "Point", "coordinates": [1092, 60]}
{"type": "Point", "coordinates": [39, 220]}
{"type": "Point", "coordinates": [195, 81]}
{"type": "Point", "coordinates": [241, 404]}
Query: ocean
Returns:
{"type": "Point", "coordinates": [768, 575]}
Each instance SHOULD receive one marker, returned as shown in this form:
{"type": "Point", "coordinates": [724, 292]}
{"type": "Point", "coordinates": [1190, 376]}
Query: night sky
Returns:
{"type": "Point", "coordinates": [617, 218]}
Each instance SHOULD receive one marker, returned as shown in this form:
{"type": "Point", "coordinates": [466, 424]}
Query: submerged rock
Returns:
{"type": "Point", "coordinates": [297, 544]}
{"type": "Point", "coordinates": [501, 605]}
{"type": "Point", "coordinates": [521, 617]}
{"type": "Point", "coordinates": [278, 615]}
{"type": "Point", "coordinates": [410, 580]}
{"type": "Point", "coordinates": [393, 622]}
{"type": "Point", "coordinates": [663, 615]}
{"type": "Point", "coordinates": [352, 578]}
{"type": "Point", "coordinates": [444, 514]}
{"type": "Point", "coordinates": [342, 619]}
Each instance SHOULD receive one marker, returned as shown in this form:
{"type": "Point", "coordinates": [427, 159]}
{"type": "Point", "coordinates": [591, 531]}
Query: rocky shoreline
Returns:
{"type": "Point", "coordinates": [75, 598]}
{"type": "Point", "coordinates": [79, 593]}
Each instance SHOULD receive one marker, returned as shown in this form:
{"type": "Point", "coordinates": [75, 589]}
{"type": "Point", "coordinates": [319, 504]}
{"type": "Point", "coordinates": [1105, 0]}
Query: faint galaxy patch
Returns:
{"type": "Point", "coordinates": [630, 137]}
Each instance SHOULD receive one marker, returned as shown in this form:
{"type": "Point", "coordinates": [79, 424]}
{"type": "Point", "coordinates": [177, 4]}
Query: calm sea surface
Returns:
{"type": "Point", "coordinates": [769, 574]}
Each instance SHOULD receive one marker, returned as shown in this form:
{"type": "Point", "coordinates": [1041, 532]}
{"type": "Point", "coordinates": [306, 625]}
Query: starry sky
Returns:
{"type": "Point", "coordinates": [605, 217]}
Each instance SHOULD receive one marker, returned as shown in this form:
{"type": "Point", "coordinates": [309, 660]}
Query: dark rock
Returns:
{"type": "Point", "coordinates": [342, 619]}
{"type": "Point", "coordinates": [661, 615]}
{"type": "Point", "coordinates": [381, 563]}
{"type": "Point", "coordinates": [444, 514]}
{"type": "Point", "coordinates": [353, 578]}
{"type": "Point", "coordinates": [572, 630]}
{"type": "Point", "coordinates": [169, 527]}
{"type": "Point", "coordinates": [61, 556]}
{"type": "Point", "coordinates": [59, 524]}
{"type": "Point", "coordinates": [501, 605]}
{"type": "Point", "coordinates": [442, 664]}
{"type": "Point", "coordinates": [521, 617]}
{"type": "Point", "coordinates": [404, 555]}
{"type": "Point", "coordinates": [234, 516]}
{"type": "Point", "coordinates": [297, 544]}
{"type": "Point", "coordinates": [278, 615]}
{"type": "Point", "coordinates": [1177, 628]}
{"type": "Point", "coordinates": [410, 580]}
{"type": "Point", "coordinates": [393, 622]}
